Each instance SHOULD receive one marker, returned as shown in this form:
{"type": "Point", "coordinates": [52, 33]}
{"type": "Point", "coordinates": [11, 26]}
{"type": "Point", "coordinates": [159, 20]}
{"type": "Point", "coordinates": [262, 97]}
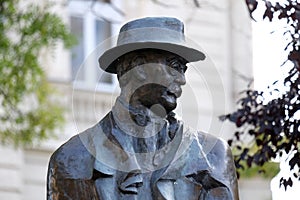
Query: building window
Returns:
{"type": "Point", "coordinates": [103, 31]}
{"type": "Point", "coordinates": [78, 50]}
{"type": "Point", "coordinates": [90, 31]}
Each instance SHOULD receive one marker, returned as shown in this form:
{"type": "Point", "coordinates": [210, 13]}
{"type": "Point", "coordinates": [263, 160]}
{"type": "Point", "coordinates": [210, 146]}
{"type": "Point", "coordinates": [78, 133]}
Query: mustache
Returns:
{"type": "Point", "coordinates": [146, 94]}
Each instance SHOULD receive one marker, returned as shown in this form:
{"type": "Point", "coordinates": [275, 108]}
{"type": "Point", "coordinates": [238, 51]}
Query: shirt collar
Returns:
{"type": "Point", "coordinates": [138, 121]}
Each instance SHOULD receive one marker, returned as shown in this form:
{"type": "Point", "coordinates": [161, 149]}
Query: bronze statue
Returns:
{"type": "Point", "coordinates": [139, 150]}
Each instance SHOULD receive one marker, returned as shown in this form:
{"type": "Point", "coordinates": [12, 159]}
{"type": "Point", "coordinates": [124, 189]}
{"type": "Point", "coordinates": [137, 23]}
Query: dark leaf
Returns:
{"type": "Point", "coordinates": [259, 142]}
{"type": "Point", "coordinates": [289, 183]}
{"type": "Point", "coordinates": [233, 117]}
{"type": "Point", "coordinates": [295, 175]}
{"type": "Point", "coordinates": [296, 15]}
{"type": "Point", "coordinates": [268, 13]}
{"type": "Point", "coordinates": [238, 165]}
{"type": "Point", "coordinates": [282, 15]}
{"type": "Point", "coordinates": [237, 135]}
{"type": "Point", "coordinates": [249, 161]}
{"type": "Point", "coordinates": [224, 117]}
{"type": "Point", "coordinates": [252, 5]}
{"type": "Point", "coordinates": [251, 132]}
{"type": "Point", "coordinates": [295, 161]}
{"type": "Point", "coordinates": [240, 121]}
{"type": "Point", "coordinates": [244, 154]}
{"type": "Point", "coordinates": [286, 183]}
{"type": "Point", "coordinates": [294, 55]}
{"type": "Point", "coordinates": [277, 7]}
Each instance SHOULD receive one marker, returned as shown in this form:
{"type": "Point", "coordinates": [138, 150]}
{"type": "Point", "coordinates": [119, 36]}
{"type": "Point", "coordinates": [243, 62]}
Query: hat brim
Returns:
{"type": "Point", "coordinates": [186, 52]}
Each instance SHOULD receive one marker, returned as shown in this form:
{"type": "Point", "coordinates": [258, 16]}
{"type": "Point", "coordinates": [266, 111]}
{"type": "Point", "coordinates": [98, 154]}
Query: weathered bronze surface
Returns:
{"type": "Point", "coordinates": [139, 150]}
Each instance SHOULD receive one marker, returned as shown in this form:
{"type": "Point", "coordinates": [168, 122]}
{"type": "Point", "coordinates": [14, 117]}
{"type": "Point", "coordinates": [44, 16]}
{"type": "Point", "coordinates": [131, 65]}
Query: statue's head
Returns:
{"type": "Point", "coordinates": [150, 61]}
{"type": "Point", "coordinates": [154, 77]}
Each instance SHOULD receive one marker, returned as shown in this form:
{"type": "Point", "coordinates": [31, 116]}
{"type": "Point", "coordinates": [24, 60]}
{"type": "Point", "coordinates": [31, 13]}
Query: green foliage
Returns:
{"type": "Point", "coordinates": [268, 170]}
{"type": "Point", "coordinates": [27, 115]}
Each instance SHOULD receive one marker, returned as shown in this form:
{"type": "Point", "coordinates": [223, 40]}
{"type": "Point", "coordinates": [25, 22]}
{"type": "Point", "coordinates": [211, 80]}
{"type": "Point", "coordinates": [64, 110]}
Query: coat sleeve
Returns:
{"type": "Point", "coordinates": [70, 173]}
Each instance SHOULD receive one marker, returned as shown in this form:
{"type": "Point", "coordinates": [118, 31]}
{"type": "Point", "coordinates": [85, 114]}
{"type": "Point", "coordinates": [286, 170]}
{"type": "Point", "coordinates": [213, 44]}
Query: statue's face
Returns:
{"type": "Point", "coordinates": [171, 77]}
{"type": "Point", "coordinates": [163, 75]}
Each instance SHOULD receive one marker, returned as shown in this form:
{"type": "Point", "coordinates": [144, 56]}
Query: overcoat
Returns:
{"type": "Point", "coordinates": [99, 164]}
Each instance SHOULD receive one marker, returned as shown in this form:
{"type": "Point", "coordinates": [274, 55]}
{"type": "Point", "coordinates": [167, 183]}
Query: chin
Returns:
{"type": "Point", "coordinates": [169, 106]}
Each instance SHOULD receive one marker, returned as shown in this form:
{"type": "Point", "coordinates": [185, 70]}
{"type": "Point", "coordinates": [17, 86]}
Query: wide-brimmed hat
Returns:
{"type": "Point", "coordinates": [164, 33]}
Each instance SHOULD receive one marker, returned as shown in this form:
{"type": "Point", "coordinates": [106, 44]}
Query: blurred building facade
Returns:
{"type": "Point", "coordinates": [222, 30]}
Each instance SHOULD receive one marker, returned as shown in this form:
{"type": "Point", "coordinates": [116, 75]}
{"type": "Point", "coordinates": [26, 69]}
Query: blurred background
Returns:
{"type": "Point", "coordinates": [221, 28]}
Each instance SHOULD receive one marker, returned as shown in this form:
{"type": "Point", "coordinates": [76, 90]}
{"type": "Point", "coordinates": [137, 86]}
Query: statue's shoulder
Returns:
{"type": "Point", "coordinates": [74, 159]}
{"type": "Point", "coordinates": [207, 152]}
{"type": "Point", "coordinates": [213, 144]}
{"type": "Point", "coordinates": [217, 155]}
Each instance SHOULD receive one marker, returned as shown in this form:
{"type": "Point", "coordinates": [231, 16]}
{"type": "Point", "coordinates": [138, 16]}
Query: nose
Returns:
{"type": "Point", "coordinates": [180, 78]}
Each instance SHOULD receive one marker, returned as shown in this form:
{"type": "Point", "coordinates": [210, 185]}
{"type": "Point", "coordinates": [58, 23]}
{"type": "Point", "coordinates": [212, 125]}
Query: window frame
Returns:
{"type": "Point", "coordinates": [83, 10]}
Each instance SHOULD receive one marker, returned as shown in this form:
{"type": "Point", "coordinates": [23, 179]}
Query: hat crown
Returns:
{"type": "Point", "coordinates": [155, 22]}
{"type": "Point", "coordinates": [152, 29]}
